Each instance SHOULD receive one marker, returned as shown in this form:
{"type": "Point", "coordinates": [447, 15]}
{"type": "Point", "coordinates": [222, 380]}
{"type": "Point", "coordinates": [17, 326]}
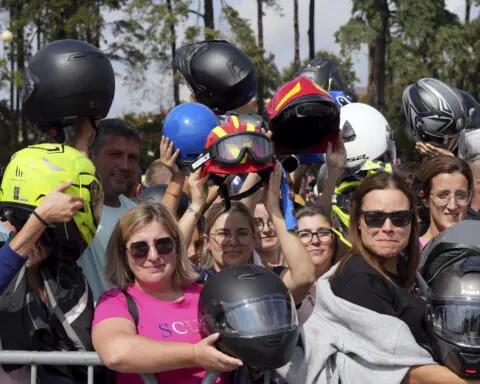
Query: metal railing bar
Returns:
{"type": "Point", "coordinates": [49, 358]}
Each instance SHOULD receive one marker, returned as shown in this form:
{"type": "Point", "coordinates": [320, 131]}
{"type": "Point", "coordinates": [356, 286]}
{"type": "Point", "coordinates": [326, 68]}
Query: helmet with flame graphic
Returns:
{"type": "Point", "coordinates": [303, 118]}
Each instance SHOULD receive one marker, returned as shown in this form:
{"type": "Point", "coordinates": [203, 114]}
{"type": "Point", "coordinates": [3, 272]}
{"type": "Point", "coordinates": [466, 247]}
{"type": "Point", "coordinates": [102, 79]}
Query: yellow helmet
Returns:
{"type": "Point", "coordinates": [33, 172]}
{"type": "Point", "coordinates": [342, 196]}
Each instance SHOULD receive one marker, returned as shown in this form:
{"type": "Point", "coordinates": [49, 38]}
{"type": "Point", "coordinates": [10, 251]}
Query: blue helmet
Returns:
{"type": "Point", "coordinates": [188, 126]}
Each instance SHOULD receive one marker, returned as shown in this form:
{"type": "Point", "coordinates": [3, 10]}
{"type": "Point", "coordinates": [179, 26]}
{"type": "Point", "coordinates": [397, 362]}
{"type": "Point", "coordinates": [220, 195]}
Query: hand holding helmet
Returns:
{"type": "Point", "coordinates": [430, 150]}
{"type": "Point", "coordinates": [336, 158]}
{"type": "Point", "coordinates": [198, 188]}
{"type": "Point", "coordinates": [211, 359]}
{"type": "Point", "coordinates": [270, 193]}
{"type": "Point", "coordinates": [168, 157]}
{"type": "Point", "coordinates": [58, 207]}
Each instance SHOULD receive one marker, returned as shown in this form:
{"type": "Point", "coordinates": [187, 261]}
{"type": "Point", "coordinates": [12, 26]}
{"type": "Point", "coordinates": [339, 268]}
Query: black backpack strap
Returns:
{"type": "Point", "coordinates": [132, 307]}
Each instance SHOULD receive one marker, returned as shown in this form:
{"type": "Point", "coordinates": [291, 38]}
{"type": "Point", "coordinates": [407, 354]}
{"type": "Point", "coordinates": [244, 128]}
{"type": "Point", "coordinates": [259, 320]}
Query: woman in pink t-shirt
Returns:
{"type": "Point", "coordinates": [146, 257]}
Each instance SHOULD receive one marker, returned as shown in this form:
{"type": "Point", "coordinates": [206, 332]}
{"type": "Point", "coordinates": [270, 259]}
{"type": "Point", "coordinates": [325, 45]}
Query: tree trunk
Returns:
{"type": "Point", "coordinates": [311, 30]}
{"type": "Point", "coordinates": [468, 7]}
{"type": "Point", "coordinates": [173, 46]}
{"type": "Point", "coordinates": [20, 40]}
{"type": "Point", "coordinates": [260, 79]}
{"type": "Point", "coordinates": [371, 89]}
{"type": "Point", "coordinates": [379, 57]}
{"type": "Point", "coordinates": [296, 57]}
{"type": "Point", "coordinates": [209, 18]}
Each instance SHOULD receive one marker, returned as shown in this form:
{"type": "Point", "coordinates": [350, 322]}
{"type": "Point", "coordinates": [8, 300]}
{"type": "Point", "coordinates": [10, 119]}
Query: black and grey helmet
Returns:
{"type": "Point", "coordinates": [432, 111]}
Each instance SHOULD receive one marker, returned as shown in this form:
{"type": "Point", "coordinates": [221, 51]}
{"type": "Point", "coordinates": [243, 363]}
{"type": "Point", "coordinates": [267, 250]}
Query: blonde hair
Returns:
{"type": "Point", "coordinates": [117, 270]}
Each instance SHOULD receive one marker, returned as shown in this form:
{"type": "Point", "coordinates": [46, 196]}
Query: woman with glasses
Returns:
{"type": "Point", "coordinates": [316, 235]}
{"type": "Point", "coordinates": [230, 237]}
{"type": "Point", "coordinates": [447, 184]}
{"type": "Point", "coordinates": [367, 326]}
{"type": "Point", "coordinates": [147, 262]}
{"type": "Point", "coordinates": [379, 271]}
{"type": "Point", "coordinates": [267, 246]}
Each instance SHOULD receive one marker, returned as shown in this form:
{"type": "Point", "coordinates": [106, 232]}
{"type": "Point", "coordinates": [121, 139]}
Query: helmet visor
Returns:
{"type": "Point", "coordinates": [232, 149]}
{"type": "Point", "coordinates": [457, 321]}
{"type": "Point", "coordinates": [260, 317]}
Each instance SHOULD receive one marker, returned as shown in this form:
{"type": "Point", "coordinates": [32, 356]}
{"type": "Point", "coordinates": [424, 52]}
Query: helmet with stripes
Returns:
{"type": "Point", "coordinates": [235, 147]}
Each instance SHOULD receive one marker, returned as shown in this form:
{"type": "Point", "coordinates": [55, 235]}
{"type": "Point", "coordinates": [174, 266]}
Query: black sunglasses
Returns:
{"type": "Point", "coordinates": [140, 249]}
{"type": "Point", "coordinates": [376, 219]}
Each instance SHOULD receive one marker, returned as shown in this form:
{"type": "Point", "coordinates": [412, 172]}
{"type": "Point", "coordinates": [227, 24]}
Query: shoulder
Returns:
{"type": "Point", "coordinates": [193, 288]}
{"type": "Point", "coordinates": [357, 276]}
{"type": "Point", "coordinates": [112, 303]}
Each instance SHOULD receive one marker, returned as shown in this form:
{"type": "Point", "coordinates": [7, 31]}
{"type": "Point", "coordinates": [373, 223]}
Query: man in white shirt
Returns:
{"type": "Point", "coordinates": [115, 153]}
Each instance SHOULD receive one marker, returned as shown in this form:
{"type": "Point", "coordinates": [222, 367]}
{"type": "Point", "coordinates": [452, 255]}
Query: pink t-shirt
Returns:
{"type": "Point", "coordinates": [158, 320]}
{"type": "Point", "coordinates": [422, 242]}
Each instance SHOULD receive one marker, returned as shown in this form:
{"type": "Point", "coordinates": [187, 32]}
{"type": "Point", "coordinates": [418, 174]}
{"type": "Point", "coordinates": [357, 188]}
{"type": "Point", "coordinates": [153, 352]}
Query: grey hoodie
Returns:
{"type": "Point", "coordinates": [349, 344]}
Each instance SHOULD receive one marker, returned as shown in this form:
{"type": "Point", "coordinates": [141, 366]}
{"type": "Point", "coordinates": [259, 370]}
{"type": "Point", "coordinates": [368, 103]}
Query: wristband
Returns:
{"type": "Point", "coordinates": [172, 194]}
{"type": "Point", "coordinates": [42, 220]}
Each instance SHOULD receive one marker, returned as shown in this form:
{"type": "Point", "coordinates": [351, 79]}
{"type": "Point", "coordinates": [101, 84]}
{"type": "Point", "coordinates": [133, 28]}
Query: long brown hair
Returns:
{"type": "Point", "coordinates": [407, 265]}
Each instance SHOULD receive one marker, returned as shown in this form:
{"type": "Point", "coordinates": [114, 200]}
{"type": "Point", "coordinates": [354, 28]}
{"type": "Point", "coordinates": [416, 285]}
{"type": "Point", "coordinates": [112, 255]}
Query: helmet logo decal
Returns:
{"type": "Point", "coordinates": [289, 95]}
{"type": "Point", "coordinates": [53, 167]}
{"type": "Point", "coordinates": [348, 133]}
{"type": "Point", "coordinates": [18, 172]}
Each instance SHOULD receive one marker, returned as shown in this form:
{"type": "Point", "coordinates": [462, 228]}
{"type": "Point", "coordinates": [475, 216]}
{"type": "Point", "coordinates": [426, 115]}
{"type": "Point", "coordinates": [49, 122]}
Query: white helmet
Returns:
{"type": "Point", "coordinates": [367, 136]}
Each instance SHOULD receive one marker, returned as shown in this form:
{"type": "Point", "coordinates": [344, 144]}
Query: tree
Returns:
{"type": "Point", "coordinates": [244, 38]}
{"type": "Point", "coordinates": [311, 30]}
{"type": "Point", "coordinates": [296, 33]}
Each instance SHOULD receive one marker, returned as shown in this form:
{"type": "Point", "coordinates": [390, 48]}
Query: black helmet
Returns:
{"type": "Point", "coordinates": [254, 313]}
{"type": "Point", "coordinates": [220, 75]}
{"type": "Point", "coordinates": [154, 194]}
{"type": "Point", "coordinates": [469, 101]}
{"type": "Point", "coordinates": [325, 73]}
{"type": "Point", "coordinates": [65, 80]}
{"type": "Point", "coordinates": [432, 111]}
{"type": "Point", "coordinates": [451, 271]}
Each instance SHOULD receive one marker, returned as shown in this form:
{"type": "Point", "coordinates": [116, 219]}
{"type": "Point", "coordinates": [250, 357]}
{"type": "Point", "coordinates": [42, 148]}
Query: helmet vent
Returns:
{"type": "Point", "coordinates": [348, 134]}
{"type": "Point", "coordinates": [248, 276]}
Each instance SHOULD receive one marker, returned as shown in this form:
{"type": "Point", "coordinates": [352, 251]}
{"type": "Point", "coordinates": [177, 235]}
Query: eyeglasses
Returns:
{"type": "Point", "coordinates": [442, 198]}
{"type": "Point", "coordinates": [376, 219]}
{"type": "Point", "coordinates": [140, 249]}
{"type": "Point", "coordinates": [222, 238]}
{"type": "Point", "coordinates": [261, 224]}
{"type": "Point", "coordinates": [324, 236]}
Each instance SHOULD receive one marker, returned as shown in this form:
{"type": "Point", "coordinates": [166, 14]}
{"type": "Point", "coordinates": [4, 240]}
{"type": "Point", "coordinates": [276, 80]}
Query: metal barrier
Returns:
{"type": "Point", "coordinates": [32, 358]}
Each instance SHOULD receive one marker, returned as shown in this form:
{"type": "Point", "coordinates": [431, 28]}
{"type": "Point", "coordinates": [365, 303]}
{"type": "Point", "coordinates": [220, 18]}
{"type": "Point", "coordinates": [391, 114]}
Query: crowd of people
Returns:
{"type": "Point", "coordinates": [101, 255]}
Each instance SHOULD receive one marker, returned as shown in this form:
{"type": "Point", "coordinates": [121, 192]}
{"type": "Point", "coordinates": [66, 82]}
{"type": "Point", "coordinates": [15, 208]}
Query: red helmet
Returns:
{"type": "Point", "coordinates": [303, 118]}
{"type": "Point", "coordinates": [235, 148]}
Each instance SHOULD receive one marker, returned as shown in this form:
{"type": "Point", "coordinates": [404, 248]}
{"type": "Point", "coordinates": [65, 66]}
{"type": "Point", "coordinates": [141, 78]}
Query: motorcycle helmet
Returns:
{"type": "Point", "coordinates": [451, 276]}
{"type": "Point", "coordinates": [64, 80]}
{"type": "Point", "coordinates": [469, 101]}
{"type": "Point", "coordinates": [155, 193]}
{"type": "Point", "coordinates": [367, 136]}
{"type": "Point", "coordinates": [33, 172]}
{"type": "Point", "coordinates": [342, 196]}
{"type": "Point", "coordinates": [235, 148]}
{"type": "Point", "coordinates": [254, 313]}
{"type": "Point", "coordinates": [303, 118]}
{"type": "Point", "coordinates": [188, 126]}
{"type": "Point", "coordinates": [469, 138]}
{"type": "Point", "coordinates": [432, 112]}
{"type": "Point", "coordinates": [219, 74]}
{"type": "Point", "coordinates": [325, 73]}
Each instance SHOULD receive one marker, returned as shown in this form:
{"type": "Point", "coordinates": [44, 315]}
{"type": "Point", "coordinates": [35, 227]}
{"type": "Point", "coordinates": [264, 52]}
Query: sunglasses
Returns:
{"type": "Point", "coordinates": [376, 219]}
{"type": "Point", "coordinates": [140, 249]}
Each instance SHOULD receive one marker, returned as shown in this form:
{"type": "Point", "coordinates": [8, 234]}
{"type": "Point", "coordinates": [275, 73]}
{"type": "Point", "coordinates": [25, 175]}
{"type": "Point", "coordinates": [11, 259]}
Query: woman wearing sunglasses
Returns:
{"type": "Point", "coordinates": [447, 184]}
{"type": "Point", "coordinates": [147, 260]}
{"type": "Point", "coordinates": [316, 235]}
{"type": "Point", "coordinates": [379, 271]}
